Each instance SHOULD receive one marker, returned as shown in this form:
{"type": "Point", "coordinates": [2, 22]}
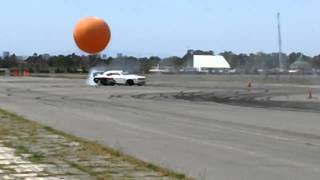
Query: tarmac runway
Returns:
{"type": "Point", "coordinates": [206, 139]}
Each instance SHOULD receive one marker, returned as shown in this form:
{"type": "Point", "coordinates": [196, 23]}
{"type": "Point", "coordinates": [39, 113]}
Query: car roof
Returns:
{"type": "Point", "coordinates": [114, 71]}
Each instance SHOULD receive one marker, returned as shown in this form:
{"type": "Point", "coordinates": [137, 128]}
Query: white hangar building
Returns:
{"type": "Point", "coordinates": [208, 63]}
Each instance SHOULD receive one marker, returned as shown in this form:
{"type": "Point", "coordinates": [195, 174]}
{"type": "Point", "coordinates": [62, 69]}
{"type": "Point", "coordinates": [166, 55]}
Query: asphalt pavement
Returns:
{"type": "Point", "coordinates": [206, 140]}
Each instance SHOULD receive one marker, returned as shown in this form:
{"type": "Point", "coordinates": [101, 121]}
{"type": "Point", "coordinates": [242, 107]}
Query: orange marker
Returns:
{"type": "Point", "coordinates": [310, 93]}
{"type": "Point", "coordinates": [249, 84]}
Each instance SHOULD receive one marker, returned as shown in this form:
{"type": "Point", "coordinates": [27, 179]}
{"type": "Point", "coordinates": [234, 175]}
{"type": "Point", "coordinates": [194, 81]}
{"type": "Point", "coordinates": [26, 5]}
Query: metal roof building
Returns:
{"type": "Point", "coordinates": [302, 65]}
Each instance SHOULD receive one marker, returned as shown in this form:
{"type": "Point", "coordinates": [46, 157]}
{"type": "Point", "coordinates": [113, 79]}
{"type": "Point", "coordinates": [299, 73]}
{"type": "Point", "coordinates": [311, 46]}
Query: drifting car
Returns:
{"type": "Point", "coordinates": [118, 77]}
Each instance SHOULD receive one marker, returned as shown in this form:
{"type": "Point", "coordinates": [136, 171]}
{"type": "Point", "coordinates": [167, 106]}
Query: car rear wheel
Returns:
{"type": "Point", "coordinates": [104, 82]}
{"type": "Point", "coordinates": [98, 81]}
{"type": "Point", "coordinates": [130, 82]}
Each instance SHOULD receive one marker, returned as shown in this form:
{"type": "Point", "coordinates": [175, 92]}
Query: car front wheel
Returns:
{"type": "Point", "coordinates": [130, 82]}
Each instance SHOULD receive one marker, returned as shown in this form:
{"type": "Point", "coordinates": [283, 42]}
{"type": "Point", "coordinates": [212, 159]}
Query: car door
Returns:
{"type": "Point", "coordinates": [118, 78]}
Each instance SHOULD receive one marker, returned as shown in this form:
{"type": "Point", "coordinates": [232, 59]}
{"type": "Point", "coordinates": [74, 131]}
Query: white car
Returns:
{"type": "Point", "coordinates": [118, 77]}
{"type": "Point", "coordinates": [294, 71]}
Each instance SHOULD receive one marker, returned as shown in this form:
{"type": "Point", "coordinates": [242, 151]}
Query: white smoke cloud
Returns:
{"type": "Point", "coordinates": [92, 71]}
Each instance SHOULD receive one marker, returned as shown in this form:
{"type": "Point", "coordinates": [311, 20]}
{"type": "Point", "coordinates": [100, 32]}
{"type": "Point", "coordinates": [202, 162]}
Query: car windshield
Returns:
{"type": "Point", "coordinates": [160, 89]}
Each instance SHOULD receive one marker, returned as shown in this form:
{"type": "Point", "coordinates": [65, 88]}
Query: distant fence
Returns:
{"type": "Point", "coordinates": [303, 79]}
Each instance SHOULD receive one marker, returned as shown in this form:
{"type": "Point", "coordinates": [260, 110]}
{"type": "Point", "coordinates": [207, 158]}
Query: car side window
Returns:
{"type": "Point", "coordinates": [110, 74]}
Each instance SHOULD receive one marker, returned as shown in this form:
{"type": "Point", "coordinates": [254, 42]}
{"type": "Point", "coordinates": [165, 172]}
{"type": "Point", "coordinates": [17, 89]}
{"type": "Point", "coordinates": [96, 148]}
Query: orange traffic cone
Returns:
{"type": "Point", "coordinates": [249, 85]}
{"type": "Point", "coordinates": [310, 93]}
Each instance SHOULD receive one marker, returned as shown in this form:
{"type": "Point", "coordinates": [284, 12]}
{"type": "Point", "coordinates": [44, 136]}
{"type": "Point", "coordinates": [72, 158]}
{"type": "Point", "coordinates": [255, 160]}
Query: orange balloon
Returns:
{"type": "Point", "coordinates": [92, 35]}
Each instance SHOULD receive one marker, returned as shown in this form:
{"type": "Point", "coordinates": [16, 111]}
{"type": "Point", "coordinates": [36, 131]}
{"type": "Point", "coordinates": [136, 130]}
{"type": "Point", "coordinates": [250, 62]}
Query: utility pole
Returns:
{"type": "Point", "coordinates": [281, 65]}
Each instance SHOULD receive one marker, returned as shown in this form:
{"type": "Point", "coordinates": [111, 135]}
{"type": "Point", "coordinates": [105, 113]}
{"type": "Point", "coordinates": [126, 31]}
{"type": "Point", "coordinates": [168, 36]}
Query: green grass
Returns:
{"type": "Point", "coordinates": [36, 157]}
{"type": "Point", "coordinates": [21, 150]}
{"type": "Point", "coordinates": [91, 147]}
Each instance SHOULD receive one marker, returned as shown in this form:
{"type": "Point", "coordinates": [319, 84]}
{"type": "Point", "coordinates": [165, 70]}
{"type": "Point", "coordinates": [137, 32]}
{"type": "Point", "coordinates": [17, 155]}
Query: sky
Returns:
{"type": "Point", "coordinates": [163, 27]}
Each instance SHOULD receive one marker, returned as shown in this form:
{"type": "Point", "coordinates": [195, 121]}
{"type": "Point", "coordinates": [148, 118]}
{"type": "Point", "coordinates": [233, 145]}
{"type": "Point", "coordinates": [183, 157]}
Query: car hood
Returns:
{"type": "Point", "coordinates": [134, 76]}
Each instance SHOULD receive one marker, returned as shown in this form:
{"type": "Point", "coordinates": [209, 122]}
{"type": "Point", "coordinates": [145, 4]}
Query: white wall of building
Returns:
{"type": "Point", "coordinates": [210, 61]}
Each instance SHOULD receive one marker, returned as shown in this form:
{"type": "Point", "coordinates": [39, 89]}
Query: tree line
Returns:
{"type": "Point", "coordinates": [74, 63]}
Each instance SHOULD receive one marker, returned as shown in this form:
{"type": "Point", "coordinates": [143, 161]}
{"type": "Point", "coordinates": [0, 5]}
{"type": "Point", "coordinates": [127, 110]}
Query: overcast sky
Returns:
{"type": "Point", "coordinates": [162, 27]}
